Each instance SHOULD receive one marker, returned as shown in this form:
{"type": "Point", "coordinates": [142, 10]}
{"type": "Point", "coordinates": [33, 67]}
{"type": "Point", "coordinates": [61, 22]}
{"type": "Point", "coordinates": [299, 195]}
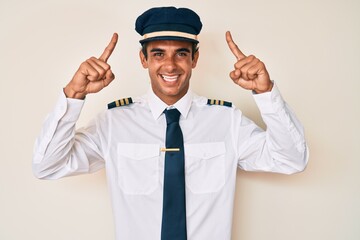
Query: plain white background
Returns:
{"type": "Point", "coordinates": [310, 47]}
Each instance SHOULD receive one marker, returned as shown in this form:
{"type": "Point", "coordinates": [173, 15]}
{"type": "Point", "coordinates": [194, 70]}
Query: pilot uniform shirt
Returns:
{"type": "Point", "coordinates": [126, 140]}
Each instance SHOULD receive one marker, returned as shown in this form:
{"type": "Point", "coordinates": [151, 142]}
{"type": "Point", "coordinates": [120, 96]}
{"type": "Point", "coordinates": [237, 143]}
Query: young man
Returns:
{"type": "Point", "coordinates": [170, 156]}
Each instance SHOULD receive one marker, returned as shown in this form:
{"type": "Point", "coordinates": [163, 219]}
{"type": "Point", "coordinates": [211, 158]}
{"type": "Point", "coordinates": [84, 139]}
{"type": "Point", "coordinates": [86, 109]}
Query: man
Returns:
{"type": "Point", "coordinates": [170, 156]}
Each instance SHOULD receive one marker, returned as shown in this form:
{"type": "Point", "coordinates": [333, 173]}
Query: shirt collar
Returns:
{"type": "Point", "coordinates": [157, 106]}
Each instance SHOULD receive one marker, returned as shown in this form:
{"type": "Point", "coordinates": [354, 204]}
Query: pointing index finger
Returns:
{"type": "Point", "coordinates": [110, 48]}
{"type": "Point", "coordinates": [233, 47]}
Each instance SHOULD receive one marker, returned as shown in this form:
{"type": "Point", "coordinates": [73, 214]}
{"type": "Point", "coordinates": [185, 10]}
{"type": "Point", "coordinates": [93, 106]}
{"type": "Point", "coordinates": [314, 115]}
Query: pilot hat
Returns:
{"type": "Point", "coordinates": [168, 23]}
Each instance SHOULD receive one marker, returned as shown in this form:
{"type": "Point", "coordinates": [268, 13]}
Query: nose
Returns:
{"type": "Point", "coordinates": [170, 64]}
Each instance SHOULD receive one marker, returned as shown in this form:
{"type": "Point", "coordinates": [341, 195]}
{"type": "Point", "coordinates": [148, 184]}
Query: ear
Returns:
{"type": "Point", "coordinates": [196, 57]}
{"type": "Point", "coordinates": [143, 59]}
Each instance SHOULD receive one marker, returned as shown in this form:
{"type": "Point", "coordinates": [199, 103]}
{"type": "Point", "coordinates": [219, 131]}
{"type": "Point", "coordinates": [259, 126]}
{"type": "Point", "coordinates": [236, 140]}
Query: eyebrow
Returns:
{"type": "Point", "coordinates": [183, 50]}
{"type": "Point", "coordinates": [177, 50]}
{"type": "Point", "coordinates": [157, 50]}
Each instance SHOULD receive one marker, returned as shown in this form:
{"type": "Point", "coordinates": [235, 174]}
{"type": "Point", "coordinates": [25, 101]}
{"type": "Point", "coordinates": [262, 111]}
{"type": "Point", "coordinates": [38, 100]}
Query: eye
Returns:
{"type": "Point", "coordinates": [182, 54]}
{"type": "Point", "coordinates": [158, 54]}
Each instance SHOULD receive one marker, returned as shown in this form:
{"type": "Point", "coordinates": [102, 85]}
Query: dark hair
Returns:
{"type": "Point", "coordinates": [194, 49]}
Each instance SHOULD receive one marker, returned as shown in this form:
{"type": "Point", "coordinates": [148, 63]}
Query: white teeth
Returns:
{"type": "Point", "coordinates": [170, 78]}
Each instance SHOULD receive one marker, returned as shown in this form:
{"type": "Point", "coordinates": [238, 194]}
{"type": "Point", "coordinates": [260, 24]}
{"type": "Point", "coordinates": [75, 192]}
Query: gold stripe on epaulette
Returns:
{"type": "Point", "coordinates": [219, 102]}
{"type": "Point", "coordinates": [120, 102]}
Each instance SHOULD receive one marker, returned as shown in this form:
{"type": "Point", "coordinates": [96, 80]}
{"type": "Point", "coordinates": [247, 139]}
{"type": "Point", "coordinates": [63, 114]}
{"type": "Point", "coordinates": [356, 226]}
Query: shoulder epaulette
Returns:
{"type": "Point", "coordinates": [219, 102]}
{"type": "Point", "coordinates": [120, 102]}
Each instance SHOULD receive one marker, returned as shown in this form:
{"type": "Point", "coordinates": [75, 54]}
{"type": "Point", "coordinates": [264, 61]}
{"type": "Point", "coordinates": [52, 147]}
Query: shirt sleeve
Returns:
{"type": "Point", "coordinates": [60, 150]}
{"type": "Point", "coordinates": [282, 147]}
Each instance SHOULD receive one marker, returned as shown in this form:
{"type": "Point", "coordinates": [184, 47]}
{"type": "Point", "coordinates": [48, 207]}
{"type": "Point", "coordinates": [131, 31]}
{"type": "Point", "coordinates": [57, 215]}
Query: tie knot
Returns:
{"type": "Point", "coordinates": [172, 115]}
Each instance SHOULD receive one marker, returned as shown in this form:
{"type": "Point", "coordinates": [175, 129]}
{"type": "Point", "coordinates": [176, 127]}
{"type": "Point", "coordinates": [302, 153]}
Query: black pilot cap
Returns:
{"type": "Point", "coordinates": [168, 23]}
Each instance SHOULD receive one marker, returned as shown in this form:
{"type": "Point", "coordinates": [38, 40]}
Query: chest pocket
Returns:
{"type": "Point", "coordinates": [138, 168]}
{"type": "Point", "coordinates": [205, 167]}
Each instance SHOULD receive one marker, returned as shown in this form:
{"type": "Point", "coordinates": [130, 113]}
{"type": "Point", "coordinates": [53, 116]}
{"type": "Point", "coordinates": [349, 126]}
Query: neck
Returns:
{"type": "Point", "coordinates": [170, 100]}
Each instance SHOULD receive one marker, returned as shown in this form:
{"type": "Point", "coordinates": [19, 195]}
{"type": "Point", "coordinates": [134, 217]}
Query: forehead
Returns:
{"type": "Point", "coordinates": [169, 44]}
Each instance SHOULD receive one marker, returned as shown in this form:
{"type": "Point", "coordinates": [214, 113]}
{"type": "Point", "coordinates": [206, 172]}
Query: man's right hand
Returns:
{"type": "Point", "coordinates": [93, 75]}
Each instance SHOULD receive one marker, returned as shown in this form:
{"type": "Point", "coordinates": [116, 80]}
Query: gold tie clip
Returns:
{"type": "Point", "coordinates": [170, 149]}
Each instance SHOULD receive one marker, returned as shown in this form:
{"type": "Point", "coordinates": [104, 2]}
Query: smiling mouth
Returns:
{"type": "Point", "coordinates": [169, 78]}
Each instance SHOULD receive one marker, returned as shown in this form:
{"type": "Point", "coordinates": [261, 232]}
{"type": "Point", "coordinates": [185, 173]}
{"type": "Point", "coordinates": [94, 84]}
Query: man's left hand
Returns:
{"type": "Point", "coordinates": [249, 72]}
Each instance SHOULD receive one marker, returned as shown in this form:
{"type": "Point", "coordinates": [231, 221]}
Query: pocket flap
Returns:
{"type": "Point", "coordinates": [138, 151]}
{"type": "Point", "coordinates": [205, 150]}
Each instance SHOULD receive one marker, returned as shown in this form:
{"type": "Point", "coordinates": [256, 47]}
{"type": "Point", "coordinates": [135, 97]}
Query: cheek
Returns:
{"type": "Point", "coordinates": [152, 66]}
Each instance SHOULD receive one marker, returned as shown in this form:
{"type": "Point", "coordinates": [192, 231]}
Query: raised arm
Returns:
{"type": "Point", "coordinates": [60, 150]}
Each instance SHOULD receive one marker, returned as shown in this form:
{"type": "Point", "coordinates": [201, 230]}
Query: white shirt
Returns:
{"type": "Point", "coordinates": [126, 141]}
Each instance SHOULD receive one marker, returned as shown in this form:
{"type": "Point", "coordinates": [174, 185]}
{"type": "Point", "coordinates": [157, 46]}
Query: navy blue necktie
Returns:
{"type": "Point", "coordinates": [174, 211]}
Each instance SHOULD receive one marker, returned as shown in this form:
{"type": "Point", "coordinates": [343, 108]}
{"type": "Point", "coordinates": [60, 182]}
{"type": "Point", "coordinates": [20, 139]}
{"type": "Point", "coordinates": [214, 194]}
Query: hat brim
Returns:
{"type": "Point", "coordinates": [172, 38]}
